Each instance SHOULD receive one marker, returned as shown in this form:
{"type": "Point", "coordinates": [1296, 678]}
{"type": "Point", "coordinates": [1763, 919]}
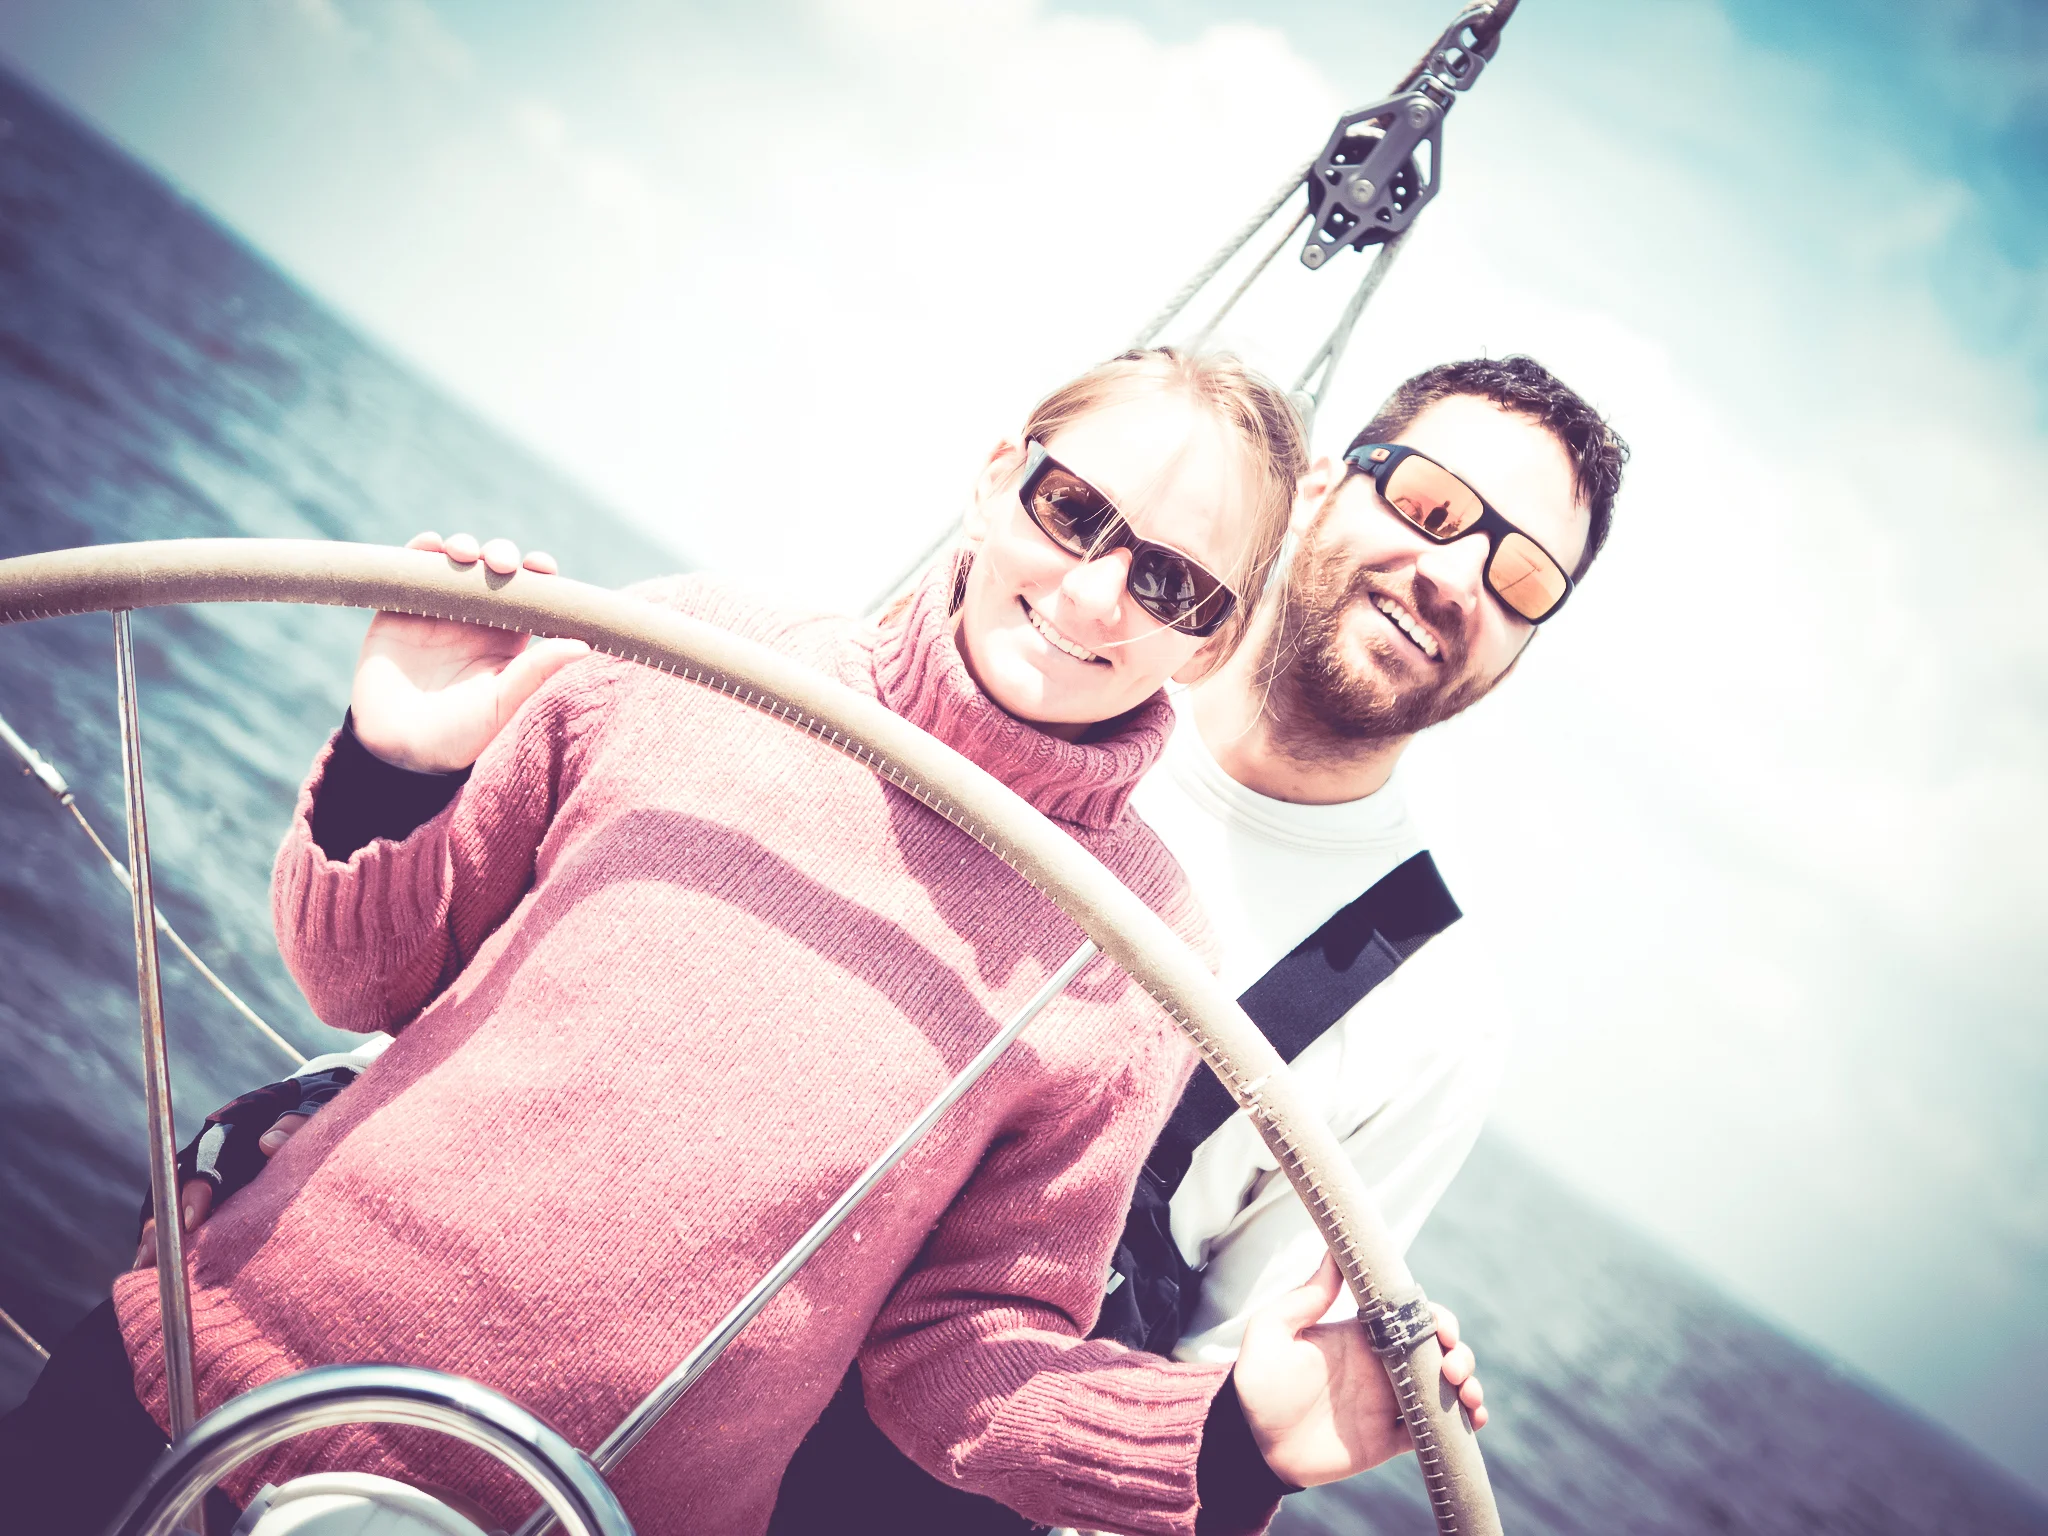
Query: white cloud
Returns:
{"type": "Point", "coordinates": [323, 17]}
{"type": "Point", "coordinates": [719, 289]}
{"type": "Point", "coordinates": [420, 40]}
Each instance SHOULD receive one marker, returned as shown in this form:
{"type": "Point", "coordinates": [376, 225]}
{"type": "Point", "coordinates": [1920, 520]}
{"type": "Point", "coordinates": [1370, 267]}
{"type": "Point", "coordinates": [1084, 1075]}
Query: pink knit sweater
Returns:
{"type": "Point", "coordinates": [669, 974]}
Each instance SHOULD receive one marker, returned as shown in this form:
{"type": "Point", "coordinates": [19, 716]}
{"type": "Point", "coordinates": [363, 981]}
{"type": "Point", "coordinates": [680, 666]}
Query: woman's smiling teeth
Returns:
{"type": "Point", "coordinates": [1053, 637]}
{"type": "Point", "coordinates": [1423, 639]}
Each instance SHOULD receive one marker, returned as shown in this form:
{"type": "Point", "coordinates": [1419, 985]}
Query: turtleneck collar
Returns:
{"type": "Point", "coordinates": [920, 673]}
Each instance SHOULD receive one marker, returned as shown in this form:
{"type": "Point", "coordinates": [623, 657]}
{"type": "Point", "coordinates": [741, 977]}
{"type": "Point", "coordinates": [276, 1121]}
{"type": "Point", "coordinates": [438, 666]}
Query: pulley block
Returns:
{"type": "Point", "coordinates": [1384, 162]}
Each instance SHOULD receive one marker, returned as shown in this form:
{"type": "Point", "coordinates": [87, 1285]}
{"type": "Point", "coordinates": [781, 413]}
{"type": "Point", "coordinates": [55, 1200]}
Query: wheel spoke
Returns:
{"type": "Point", "coordinates": [174, 1294]}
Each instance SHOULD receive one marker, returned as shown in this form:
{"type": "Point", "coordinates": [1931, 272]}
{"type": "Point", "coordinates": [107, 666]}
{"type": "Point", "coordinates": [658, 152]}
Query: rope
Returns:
{"type": "Point", "coordinates": [22, 1334]}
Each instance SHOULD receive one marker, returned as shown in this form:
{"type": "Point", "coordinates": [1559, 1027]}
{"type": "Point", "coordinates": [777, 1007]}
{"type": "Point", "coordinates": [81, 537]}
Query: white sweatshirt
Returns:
{"type": "Point", "coordinates": [1405, 1078]}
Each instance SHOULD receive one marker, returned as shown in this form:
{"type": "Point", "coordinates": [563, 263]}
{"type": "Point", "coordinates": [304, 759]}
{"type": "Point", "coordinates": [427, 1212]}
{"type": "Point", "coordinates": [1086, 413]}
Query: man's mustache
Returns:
{"type": "Point", "coordinates": [1443, 620]}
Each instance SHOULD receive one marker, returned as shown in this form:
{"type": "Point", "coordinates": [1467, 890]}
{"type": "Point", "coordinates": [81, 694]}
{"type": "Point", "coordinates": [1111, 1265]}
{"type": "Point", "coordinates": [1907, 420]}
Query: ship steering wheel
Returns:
{"type": "Point", "coordinates": [115, 578]}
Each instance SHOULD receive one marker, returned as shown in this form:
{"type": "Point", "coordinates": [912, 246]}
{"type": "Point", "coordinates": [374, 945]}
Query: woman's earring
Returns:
{"type": "Point", "coordinates": [963, 564]}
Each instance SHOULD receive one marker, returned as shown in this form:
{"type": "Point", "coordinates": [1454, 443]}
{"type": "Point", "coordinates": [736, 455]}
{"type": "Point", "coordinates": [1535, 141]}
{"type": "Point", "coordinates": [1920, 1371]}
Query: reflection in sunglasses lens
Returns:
{"type": "Point", "coordinates": [1164, 586]}
{"type": "Point", "coordinates": [1527, 579]}
{"type": "Point", "coordinates": [1071, 511]}
{"type": "Point", "coordinates": [1432, 498]}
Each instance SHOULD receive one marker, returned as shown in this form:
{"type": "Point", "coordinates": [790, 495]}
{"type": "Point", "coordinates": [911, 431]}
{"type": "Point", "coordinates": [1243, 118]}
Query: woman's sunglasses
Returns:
{"type": "Point", "coordinates": [1441, 507]}
{"type": "Point", "coordinates": [1082, 521]}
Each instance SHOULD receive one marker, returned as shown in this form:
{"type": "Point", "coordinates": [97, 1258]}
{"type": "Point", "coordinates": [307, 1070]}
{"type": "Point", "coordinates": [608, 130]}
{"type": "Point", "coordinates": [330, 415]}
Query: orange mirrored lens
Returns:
{"type": "Point", "coordinates": [1432, 498]}
{"type": "Point", "coordinates": [1527, 579]}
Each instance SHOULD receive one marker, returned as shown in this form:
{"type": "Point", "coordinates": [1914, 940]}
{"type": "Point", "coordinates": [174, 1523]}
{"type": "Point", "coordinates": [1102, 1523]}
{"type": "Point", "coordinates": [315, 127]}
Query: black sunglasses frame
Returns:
{"type": "Point", "coordinates": [1119, 535]}
{"type": "Point", "coordinates": [1379, 460]}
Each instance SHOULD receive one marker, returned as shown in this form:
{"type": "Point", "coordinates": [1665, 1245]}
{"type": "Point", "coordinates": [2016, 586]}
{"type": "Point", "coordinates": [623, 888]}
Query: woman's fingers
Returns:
{"type": "Point", "coordinates": [1461, 1370]}
{"type": "Point", "coordinates": [502, 556]}
{"type": "Point", "coordinates": [1472, 1394]}
{"type": "Point", "coordinates": [1459, 1365]}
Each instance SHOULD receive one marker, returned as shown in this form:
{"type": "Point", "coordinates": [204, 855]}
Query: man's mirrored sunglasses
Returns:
{"type": "Point", "coordinates": [1441, 507]}
{"type": "Point", "coordinates": [1172, 587]}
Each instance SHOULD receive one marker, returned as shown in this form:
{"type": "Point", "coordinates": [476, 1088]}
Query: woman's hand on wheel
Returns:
{"type": "Point", "coordinates": [430, 694]}
{"type": "Point", "coordinates": [1318, 1399]}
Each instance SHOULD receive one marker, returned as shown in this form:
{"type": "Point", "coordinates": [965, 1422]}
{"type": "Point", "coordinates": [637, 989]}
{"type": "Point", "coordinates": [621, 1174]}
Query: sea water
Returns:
{"type": "Point", "coordinates": [160, 380]}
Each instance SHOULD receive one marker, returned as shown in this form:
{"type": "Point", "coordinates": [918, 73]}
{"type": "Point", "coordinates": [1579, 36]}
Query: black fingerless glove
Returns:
{"type": "Point", "coordinates": [225, 1152]}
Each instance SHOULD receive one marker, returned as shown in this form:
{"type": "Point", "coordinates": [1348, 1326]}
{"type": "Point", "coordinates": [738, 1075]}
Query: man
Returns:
{"type": "Point", "coordinates": [1425, 561]}
{"type": "Point", "coordinates": [1279, 797]}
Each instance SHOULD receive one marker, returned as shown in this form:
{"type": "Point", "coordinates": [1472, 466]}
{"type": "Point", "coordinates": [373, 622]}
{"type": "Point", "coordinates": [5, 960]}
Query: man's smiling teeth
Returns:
{"type": "Point", "coordinates": [1057, 640]}
{"type": "Point", "coordinates": [1408, 626]}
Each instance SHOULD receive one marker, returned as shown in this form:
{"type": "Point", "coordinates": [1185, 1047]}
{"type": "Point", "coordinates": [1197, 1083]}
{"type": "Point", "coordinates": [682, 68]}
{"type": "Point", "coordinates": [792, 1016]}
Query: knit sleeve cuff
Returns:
{"type": "Point", "coordinates": [1240, 1494]}
{"type": "Point", "coordinates": [362, 798]}
{"type": "Point", "coordinates": [364, 938]}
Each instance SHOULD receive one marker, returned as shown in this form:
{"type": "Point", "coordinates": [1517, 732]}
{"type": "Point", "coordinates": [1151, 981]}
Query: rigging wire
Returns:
{"type": "Point", "coordinates": [34, 765]}
{"type": "Point", "coordinates": [1250, 277]}
{"type": "Point", "coordinates": [1331, 352]}
{"type": "Point", "coordinates": [163, 926]}
{"type": "Point", "coordinates": [22, 1334]}
{"type": "Point", "coordinates": [1216, 263]}
{"type": "Point", "coordinates": [38, 767]}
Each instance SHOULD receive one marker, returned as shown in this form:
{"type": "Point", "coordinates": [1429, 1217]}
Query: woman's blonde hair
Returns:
{"type": "Point", "coordinates": [1257, 410]}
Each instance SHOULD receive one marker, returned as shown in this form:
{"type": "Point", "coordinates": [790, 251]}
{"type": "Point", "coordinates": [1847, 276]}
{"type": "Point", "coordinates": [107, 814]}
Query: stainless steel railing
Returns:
{"type": "Point", "coordinates": [331, 1395]}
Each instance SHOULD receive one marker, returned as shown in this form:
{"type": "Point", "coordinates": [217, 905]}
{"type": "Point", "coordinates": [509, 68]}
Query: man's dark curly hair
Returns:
{"type": "Point", "coordinates": [1526, 387]}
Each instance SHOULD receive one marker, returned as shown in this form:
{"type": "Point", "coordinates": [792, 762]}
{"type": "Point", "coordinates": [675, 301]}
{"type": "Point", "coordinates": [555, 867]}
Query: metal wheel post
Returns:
{"type": "Point", "coordinates": [174, 1296]}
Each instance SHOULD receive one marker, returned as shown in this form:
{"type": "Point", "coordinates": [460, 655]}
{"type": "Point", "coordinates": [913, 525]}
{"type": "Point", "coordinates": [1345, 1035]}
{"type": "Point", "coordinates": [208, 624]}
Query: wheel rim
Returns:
{"type": "Point", "coordinates": [110, 578]}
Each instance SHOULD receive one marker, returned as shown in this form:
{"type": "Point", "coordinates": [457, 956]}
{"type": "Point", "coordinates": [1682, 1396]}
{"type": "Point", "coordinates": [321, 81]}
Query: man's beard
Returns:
{"type": "Point", "coordinates": [1321, 703]}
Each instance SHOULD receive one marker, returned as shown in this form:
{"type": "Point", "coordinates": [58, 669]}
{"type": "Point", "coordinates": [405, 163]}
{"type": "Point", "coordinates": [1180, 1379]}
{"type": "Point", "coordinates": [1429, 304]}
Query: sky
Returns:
{"type": "Point", "coordinates": [1756, 830]}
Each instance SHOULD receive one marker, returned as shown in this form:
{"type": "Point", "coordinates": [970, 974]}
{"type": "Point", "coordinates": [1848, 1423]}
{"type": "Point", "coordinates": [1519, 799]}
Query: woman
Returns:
{"type": "Point", "coordinates": [713, 966]}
